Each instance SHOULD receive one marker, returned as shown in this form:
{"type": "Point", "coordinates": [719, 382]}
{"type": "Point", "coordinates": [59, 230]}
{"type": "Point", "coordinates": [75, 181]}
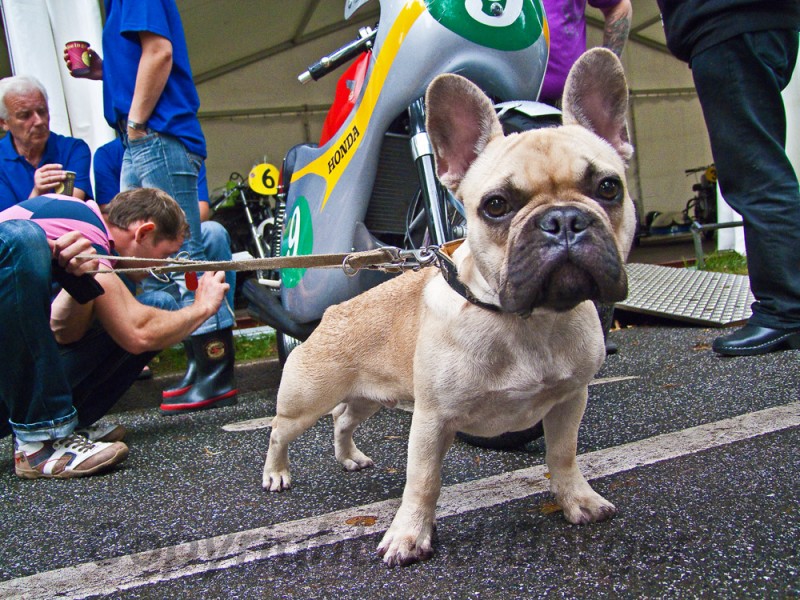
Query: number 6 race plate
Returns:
{"type": "Point", "coordinates": [263, 179]}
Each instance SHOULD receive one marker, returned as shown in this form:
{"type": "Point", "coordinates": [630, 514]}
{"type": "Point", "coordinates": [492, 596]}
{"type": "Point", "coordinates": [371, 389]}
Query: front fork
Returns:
{"type": "Point", "coordinates": [258, 242]}
{"type": "Point", "coordinates": [432, 192]}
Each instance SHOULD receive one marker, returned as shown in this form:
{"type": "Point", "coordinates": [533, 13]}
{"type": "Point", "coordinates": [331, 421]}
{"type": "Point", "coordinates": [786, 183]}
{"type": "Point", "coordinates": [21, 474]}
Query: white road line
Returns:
{"type": "Point", "coordinates": [604, 380]}
{"type": "Point", "coordinates": [163, 564]}
{"type": "Point", "coordinates": [249, 424]}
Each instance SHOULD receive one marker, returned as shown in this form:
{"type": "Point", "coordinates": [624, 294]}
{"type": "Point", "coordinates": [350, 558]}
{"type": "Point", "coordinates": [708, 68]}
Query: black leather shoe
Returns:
{"type": "Point", "coordinates": [752, 340]}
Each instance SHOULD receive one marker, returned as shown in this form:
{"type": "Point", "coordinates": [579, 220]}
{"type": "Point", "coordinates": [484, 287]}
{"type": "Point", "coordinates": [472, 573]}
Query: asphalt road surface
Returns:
{"type": "Point", "coordinates": [699, 453]}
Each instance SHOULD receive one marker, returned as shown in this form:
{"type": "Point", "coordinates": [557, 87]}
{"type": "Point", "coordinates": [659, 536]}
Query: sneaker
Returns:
{"type": "Point", "coordinates": [72, 456]}
{"type": "Point", "coordinates": [102, 432]}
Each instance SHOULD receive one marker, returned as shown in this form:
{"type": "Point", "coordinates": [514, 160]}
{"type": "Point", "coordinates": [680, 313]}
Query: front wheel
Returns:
{"type": "Point", "coordinates": [286, 344]}
{"type": "Point", "coordinates": [511, 440]}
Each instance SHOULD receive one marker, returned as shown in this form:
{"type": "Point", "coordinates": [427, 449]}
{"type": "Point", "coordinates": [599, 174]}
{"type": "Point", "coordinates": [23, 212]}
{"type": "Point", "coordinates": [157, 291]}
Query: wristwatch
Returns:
{"type": "Point", "coordinates": [137, 126]}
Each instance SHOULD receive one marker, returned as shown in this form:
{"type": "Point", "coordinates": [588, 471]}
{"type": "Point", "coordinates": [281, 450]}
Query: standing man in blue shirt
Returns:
{"type": "Point", "coordinates": [33, 159]}
{"type": "Point", "coordinates": [150, 98]}
{"type": "Point", "coordinates": [107, 166]}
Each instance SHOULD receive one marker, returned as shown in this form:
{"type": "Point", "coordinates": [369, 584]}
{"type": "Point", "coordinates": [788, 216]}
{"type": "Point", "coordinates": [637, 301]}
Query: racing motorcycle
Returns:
{"type": "Point", "coordinates": [246, 207]}
{"type": "Point", "coordinates": [371, 181]}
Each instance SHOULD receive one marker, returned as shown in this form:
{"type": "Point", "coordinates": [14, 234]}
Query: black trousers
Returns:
{"type": "Point", "coordinates": [739, 83]}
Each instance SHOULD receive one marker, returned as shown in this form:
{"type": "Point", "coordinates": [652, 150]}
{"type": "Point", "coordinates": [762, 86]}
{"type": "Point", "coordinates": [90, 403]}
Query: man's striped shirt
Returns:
{"type": "Point", "coordinates": [57, 215]}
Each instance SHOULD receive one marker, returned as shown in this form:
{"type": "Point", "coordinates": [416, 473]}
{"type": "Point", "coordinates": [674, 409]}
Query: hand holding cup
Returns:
{"type": "Point", "coordinates": [82, 61]}
{"type": "Point", "coordinates": [79, 60]}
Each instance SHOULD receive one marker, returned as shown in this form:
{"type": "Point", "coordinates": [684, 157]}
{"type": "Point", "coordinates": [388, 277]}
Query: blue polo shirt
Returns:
{"type": "Point", "coordinates": [176, 111]}
{"type": "Point", "coordinates": [16, 173]}
{"type": "Point", "coordinates": [107, 167]}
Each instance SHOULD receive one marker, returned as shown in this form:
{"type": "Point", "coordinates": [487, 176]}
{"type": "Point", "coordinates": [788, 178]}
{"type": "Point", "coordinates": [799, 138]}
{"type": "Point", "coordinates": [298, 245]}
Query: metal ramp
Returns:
{"type": "Point", "coordinates": [700, 297]}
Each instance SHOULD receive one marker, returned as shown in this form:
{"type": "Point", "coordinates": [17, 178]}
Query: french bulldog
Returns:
{"type": "Point", "coordinates": [550, 224]}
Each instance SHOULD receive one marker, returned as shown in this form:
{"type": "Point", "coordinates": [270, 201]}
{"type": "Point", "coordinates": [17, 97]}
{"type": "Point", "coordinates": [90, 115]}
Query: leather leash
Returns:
{"type": "Point", "coordinates": [387, 258]}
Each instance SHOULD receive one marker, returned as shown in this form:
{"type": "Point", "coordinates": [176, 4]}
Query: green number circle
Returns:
{"type": "Point", "coordinates": [298, 240]}
{"type": "Point", "coordinates": [501, 24]}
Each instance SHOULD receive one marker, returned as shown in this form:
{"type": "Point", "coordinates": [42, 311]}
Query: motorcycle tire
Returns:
{"type": "Point", "coordinates": [285, 344]}
{"type": "Point", "coordinates": [511, 440]}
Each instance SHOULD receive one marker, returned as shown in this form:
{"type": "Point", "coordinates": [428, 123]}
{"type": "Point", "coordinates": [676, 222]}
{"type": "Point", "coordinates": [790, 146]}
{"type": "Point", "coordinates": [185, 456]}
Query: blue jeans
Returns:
{"type": "Point", "coordinates": [100, 371]}
{"type": "Point", "coordinates": [46, 390]}
{"type": "Point", "coordinates": [217, 246]}
{"type": "Point", "coordinates": [162, 161]}
{"type": "Point", "coordinates": [739, 85]}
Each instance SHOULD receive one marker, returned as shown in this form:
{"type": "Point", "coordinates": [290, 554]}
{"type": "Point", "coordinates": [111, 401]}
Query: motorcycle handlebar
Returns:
{"type": "Point", "coordinates": [328, 63]}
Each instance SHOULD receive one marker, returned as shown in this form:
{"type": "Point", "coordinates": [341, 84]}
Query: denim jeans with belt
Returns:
{"type": "Point", "coordinates": [46, 389]}
{"type": "Point", "coordinates": [162, 161]}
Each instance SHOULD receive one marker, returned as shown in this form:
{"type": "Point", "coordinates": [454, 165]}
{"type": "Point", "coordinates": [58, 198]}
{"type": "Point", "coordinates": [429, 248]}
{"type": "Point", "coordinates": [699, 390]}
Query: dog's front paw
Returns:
{"type": "Point", "coordinates": [586, 508]}
{"type": "Point", "coordinates": [401, 547]}
{"type": "Point", "coordinates": [276, 481]}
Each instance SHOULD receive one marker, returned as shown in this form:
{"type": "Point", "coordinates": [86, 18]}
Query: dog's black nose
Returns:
{"type": "Point", "coordinates": [565, 223]}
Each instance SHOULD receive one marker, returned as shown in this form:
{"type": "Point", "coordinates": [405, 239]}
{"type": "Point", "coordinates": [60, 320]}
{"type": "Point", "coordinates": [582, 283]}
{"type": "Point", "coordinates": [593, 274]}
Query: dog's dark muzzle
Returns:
{"type": "Point", "coordinates": [565, 226]}
{"type": "Point", "coordinates": [560, 257]}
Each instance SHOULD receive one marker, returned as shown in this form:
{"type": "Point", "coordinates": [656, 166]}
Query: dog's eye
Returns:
{"type": "Point", "coordinates": [609, 189]}
{"type": "Point", "coordinates": [496, 207]}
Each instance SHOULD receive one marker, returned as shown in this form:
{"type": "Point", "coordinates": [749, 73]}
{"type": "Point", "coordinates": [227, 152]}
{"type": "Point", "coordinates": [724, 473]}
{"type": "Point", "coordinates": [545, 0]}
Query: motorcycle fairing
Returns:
{"type": "Point", "coordinates": [348, 89]}
{"type": "Point", "coordinates": [501, 24]}
{"type": "Point", "coordinates": [336, 179]}
{"type": "Point", "coordinates": [333, 158]}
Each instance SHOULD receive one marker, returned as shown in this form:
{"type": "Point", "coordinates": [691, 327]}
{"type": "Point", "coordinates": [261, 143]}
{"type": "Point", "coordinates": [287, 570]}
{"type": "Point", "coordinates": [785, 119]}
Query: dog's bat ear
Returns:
{"type": "Point", "coordinates": [460, 122]}
{"type": "Point", "coordinates": [596, 97]}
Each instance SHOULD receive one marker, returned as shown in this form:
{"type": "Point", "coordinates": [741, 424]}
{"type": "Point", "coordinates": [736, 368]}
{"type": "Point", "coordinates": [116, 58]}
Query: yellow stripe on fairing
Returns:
{"type": "Point", "coordinates": [546, 29]}
{"type": "Point", "coordinates": [408, 15]}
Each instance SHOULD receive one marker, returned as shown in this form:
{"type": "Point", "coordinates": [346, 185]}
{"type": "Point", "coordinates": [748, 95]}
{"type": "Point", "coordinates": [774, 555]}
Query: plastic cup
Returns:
{"type": "Point", "coordinates": [78, 55]}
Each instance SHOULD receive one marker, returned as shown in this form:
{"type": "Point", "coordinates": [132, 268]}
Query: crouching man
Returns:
{"type": "Point", "coordinates": [66, 362]}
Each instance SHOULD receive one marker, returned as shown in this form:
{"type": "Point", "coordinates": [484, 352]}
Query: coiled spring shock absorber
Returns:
{"type": "Point", "coordinates": [277, 230]}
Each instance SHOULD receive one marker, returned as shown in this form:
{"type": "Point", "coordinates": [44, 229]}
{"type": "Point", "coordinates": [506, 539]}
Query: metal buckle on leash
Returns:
{"type": "Point", "coordinates": [400, 260]}
{"type": "Point", "coordinates": [418, 258]}
{"type": "Point", "coordinates": [163, 275]}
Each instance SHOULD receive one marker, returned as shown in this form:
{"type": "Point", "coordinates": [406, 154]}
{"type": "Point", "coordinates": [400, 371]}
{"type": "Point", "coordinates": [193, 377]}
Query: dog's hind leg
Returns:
{"type": "Point", "coordinates": [346, 417]}
{"type": "Point", "coordinates": [277, 476]}
{"type": "Point", "coordinates": [302, 401]}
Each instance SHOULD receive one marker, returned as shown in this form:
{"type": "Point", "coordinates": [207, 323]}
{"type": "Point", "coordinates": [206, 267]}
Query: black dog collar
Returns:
{"type": "Point", "coordinates": [450, 274]}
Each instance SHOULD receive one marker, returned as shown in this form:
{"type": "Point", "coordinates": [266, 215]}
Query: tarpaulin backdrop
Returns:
{"type": "Point", "coordinates": [37, 31]}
